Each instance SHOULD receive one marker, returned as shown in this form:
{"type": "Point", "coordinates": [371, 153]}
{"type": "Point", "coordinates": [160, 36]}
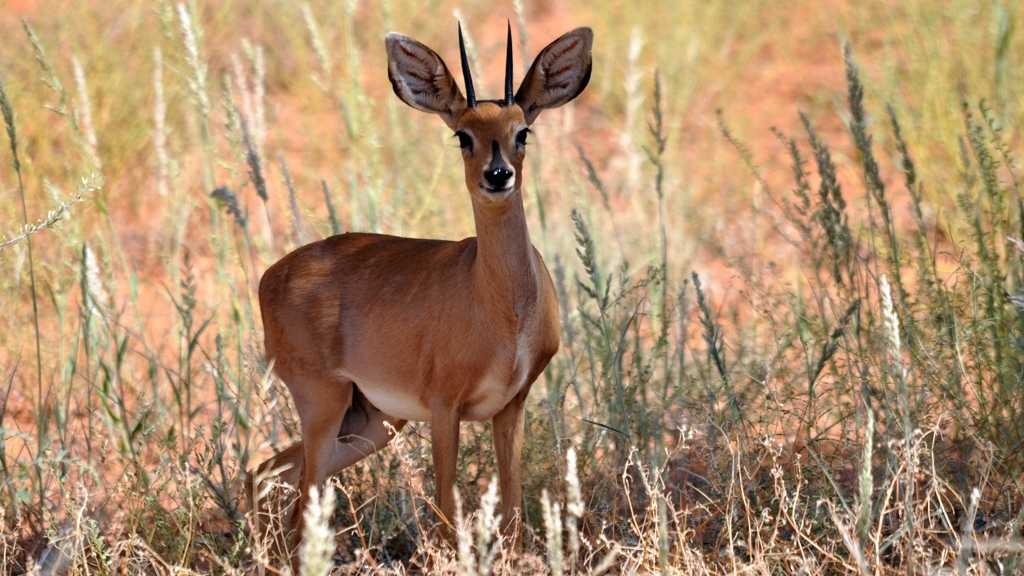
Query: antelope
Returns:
{"type": "Point", "coordinates": [369, 331]}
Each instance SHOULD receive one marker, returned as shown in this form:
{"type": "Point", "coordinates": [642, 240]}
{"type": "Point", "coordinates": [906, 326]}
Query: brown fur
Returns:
{"type": "Point", "coordinates": [432, 329]}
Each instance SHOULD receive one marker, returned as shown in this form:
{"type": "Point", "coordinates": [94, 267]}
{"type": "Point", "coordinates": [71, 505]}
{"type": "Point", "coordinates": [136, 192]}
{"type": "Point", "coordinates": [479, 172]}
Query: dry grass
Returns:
{"type": "Point", "coordinates": [790, 281]}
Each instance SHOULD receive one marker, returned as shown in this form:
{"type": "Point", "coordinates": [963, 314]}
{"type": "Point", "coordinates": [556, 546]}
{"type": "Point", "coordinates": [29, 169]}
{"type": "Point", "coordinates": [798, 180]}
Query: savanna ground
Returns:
{"type": "Point", "coordinates": [790, 278]}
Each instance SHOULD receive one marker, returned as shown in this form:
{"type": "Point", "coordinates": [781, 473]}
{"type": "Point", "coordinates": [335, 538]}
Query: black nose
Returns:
{"type": "Point", "coordinates": [498, 176]}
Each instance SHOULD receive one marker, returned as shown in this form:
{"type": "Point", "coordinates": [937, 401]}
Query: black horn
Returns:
{"type": "Point", "coordinates": [508, 67]}
{"type": "Point", "coordinates": [467, 77]}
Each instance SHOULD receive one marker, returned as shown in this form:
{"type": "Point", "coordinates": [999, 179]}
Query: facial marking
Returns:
{"type": "Point", "coordinates": [494, 162]}
{"type": "Point", "coordinates": [498, 176]}
{"type": "Point", "coordinates": [496, 158]}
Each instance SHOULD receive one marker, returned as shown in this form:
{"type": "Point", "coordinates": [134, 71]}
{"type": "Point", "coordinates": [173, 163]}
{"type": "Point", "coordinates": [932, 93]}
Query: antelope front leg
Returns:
{"type": "Point", "coordinates": [321, 405]}
{"type": "Point", "coordinates": [444, 439]}
{"type": "Point", "coordinates": [507, 427]}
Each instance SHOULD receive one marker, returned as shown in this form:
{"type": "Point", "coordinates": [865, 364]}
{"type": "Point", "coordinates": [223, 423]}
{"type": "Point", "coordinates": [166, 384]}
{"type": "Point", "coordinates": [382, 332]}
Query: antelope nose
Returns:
{"type": "Point", "coordinates": [498, 177]}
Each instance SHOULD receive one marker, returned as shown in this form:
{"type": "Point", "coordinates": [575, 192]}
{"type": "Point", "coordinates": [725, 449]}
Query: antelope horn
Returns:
{"type": "Point", "coordinates": [467, 77]}
{"type": "Point", "coordinates": [508, 67]}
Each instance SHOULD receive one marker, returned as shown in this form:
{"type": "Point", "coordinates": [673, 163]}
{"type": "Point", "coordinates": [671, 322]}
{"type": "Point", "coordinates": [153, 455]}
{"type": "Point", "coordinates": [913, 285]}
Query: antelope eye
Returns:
{"type": "Point", "coordinates": [465, 141]}
{"type": "Point", "coordinates": [521, 137]}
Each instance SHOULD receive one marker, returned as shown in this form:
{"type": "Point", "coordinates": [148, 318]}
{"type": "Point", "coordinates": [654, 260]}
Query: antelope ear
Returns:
{"type": "Point", "coordinates": [559, 74]}
{"type": "Point", "coordinates": [420, 79]}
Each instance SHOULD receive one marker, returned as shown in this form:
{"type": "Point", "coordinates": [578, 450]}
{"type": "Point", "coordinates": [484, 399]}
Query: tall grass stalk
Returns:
{"type": "Point", "coordinates": [317, 549]}
{"type": "Point", "coordinates": [11, 514]}
{"type": "Point", "coordinates": [191, 37]}
{"type": "Point", "coordinates": [300, 234]}
{"type": "Point", "coordinates": [865, 478]}
{"type": "Point", "coordinates": [163, 161]}
{"type": "Point", "coordinates": [96, 300]}
{"type": "Point", "coordinates": [463, 539]}
{"type": "Point", "coordinates": [891, 324]}
{"type": "Point", "coordinates": [41, 408]}
{"type": "Point", "coordinates": [50, 77]}
{"type": "Point", "coordinates": [258, 89]}
{"type": "Point", "coordinates": [872, 174]}
{"type": "Point", "coordinates": [488, 539]}
{"type": "Point", "coordinates": [251, 146]}
{"type": "Point", "coordinates": [656, 154]}
{"type": "Point", "coordinates": [573, 505]}
{"type": "Point", "coordinates": [552, 514]}
{"type": "Point", "coordinates": [323, 77]}
{"type": "Point", "coordinates": [522, 30]}
{"type": "Point", "coordinates": [84, 113]}
{"type": "Point", "coordinates": [634, 99]}
{"type": "Point", "coordinates": [716, 351]}
{"type": "Point", "coordinates": [831, 212]}
{"type": "Point", "coordinates": [332, 212]}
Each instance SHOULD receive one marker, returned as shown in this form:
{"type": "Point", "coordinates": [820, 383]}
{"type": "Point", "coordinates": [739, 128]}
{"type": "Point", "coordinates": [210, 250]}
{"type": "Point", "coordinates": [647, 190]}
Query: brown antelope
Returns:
{"type": "Point", "coordinates": [369, 331]}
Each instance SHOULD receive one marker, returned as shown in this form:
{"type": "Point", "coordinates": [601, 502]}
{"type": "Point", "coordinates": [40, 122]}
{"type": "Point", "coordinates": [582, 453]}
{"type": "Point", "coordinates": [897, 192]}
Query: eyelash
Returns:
{"type": "Point", "coordinates": [465, 142]}
{"type": "Point", "coordinates": [521, 136]}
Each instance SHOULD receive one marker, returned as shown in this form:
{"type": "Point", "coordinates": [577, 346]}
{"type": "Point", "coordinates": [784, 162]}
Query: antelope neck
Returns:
{"type": "Point", "coordinates": [504, 271]}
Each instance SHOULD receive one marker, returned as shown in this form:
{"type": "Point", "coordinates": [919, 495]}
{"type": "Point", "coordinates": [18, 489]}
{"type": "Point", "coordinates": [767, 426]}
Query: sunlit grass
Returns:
{"type": "Point", "coordinates": [781, 352]}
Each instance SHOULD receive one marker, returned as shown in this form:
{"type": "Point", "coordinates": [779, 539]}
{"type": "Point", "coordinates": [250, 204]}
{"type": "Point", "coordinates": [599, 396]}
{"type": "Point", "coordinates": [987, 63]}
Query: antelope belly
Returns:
{"type": "Point", "coordinates": [394, 401]}
{"type": "Point", "coordinates": [493, 393]}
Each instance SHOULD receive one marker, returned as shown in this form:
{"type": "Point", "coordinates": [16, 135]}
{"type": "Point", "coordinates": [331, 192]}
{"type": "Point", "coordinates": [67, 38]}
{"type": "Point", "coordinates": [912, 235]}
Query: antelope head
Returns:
{"type": "Point", "coordinates": [492, 133]}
